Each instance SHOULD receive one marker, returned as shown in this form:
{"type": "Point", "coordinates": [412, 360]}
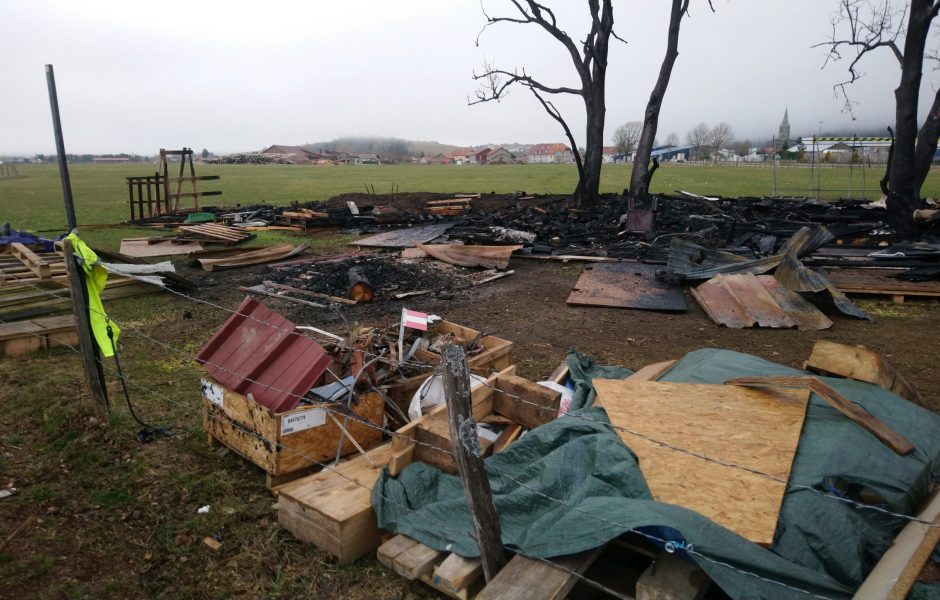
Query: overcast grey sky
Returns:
{"type": "Point", "coordinates": [235, 75]}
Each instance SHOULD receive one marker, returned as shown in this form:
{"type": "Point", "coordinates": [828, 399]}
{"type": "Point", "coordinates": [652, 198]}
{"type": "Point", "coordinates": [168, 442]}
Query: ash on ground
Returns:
{"type": "Point", "coordinates": [388, 274]}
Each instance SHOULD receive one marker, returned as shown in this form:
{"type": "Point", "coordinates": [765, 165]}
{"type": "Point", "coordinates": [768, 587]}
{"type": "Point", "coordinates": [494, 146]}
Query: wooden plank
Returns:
{"type": "Point", "coordinates": [878, 281]}
{"type": "Point", "coordinates": [539, 404]}
{"type": "Point", "coordinates": [757, 429]}
{"type": "Point", "coordinates": [896, 572]}
{"type": "Point", "coordinates": [858, 362]}
{"type": "Point", "coordinates": [652, 372]}
{"type": "Point", "coordinates": [416, 561]}
{"type": "Point", "coordinates": [530, 579]}
{"type": "Point", "coordinates": [457, 573]}
{"type": "Point", "coordinates": [389, 551]}
{"type": "Point", "coordinates": [626, 285]}
{"type": "Point", "coordinates": [852, 411]}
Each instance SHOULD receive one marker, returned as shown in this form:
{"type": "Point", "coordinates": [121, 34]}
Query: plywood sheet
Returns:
{"type": "Point", "coordinates": [757, 429]}
{"type": "Point", "coordinates": [405, 238]}
{"type": "Point", "coordinates": [141, 248]}
{"type": "Point", "coordinates": [626, 285]}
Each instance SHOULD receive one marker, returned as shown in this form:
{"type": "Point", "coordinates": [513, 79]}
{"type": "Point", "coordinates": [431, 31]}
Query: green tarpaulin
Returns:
{"type": "Point", "coordinates": [572, 485]}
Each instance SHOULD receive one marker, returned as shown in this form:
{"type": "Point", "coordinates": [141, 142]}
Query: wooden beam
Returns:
{"type": "Point", "coordinates": [852, 411]}
{"type": "Point", "coordinates": [530, 579]}
{"type": "Point", "coordinates": [538, 406]}
{"type": "Point", "coordinates": [91, 357]}
{"type": "Point", "coordinates": [469, 458]}
{"type": "Point", "coordinates": [896, 572]}
{"type": "Point", "coordinates": [857, 362]}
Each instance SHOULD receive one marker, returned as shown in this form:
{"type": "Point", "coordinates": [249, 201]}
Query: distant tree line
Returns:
{"type": "Point", "coordinates": [83, 158]}
{"type": "Point", "coordinates": [390, 149]}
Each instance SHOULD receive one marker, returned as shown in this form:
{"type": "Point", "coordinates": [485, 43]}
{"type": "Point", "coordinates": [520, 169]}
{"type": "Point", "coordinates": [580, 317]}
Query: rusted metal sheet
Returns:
{"type": "Point", "coordinates": [695, 262]}
{"type": "Point", "coordinates": [491, 257]}
{"type": "Point", "coordinates": [796, 276]}
{"type": "Point", "coordinates": [626, 285]}
{"type": "Point", "coordinates": [404, 238]}
{"type": "Point", "coordinates": [806, 316]}
{"type": "Point", "coordinates": [747, 300]}
{"type": "Point", "coordinates": [258, 352]}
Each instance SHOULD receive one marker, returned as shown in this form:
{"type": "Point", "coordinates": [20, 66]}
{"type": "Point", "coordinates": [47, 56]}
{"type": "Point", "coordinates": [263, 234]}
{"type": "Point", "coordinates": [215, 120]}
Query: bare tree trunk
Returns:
{"type": "Point", "coordinates": [927, 142]}
{"type": "Point", "coordinates": [589, 185]}
{"type": "Point", "coordinates": [641, 176]}
{"type": "Point", "coordinates": [904, 172]}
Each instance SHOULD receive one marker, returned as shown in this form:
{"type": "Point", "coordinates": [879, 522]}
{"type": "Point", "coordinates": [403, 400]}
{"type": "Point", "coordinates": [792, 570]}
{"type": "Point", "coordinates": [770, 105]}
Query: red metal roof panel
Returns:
{"type": "Point", "coordinates": [258, 352]}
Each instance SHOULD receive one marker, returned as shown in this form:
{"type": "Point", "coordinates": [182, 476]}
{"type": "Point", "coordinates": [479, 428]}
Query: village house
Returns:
{"type": "Point", "coordinates": [294, 154]}
{"type": "Point", "coordinates": [480, 157]}
{"type": "Point", "coordinates": [549, 153]}
{"type": "Point", "coordinates": [500, 156]}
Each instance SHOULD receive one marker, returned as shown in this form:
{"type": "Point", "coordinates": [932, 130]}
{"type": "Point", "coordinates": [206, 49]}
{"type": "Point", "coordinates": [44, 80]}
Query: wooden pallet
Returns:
{"type": "Point", "coordinates": [22, 337]}
{"type": "Point", "coordinates": [878, 282]}
{"type": "Point", "coordinates": [214, 233]}
{"type": "Point", "coordinates": [24, 265]}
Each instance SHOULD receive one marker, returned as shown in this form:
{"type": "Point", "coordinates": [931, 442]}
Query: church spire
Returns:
{"type": "Point", "coordinates": [786, 116]}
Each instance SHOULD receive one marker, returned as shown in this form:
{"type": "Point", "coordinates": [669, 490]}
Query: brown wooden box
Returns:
{"type": "Point", "coordinates": [496, 357]}
{"type": "Point", "coordinates": [287, 443]}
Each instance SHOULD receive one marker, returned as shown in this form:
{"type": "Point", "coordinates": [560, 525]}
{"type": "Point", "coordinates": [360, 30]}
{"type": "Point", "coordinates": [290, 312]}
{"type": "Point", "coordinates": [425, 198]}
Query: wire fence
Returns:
{"type": "Point", "coordinates": [669, 545]}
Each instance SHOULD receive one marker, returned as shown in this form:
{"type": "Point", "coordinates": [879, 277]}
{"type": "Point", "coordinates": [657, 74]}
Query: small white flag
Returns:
{"type": "Point", "coordinates": [414, 319]}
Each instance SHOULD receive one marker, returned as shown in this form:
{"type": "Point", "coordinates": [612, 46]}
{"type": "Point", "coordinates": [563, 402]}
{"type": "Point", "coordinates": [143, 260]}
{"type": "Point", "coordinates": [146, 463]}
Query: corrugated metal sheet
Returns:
{"type": "Point", "coordinates": [257, 352]}
{"type": "Point", "coordinates": [747, 300]}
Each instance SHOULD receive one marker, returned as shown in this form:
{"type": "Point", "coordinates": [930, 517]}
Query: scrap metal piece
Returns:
{"type": "Point", "coordinates": [794, 275]}
{"type": "Point", "coordinates": [257, 352]}
{"type": "Point", "coordinates": [490, 257]}
{"type": "Point", "coordinates": [746, 300]}
{"type": "Point", "coordinates": [626, 285]}
{"type": "Point", "coordinates": [405, 238]}
{"type": "Point", "coordinates": [695, 262]}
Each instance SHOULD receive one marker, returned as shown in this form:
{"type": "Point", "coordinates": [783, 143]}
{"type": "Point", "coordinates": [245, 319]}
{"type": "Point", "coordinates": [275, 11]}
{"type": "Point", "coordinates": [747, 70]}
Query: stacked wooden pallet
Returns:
{"type": "Point", "coordinates": [452, 207]}
{"type": "Point", "coordinates": [213, 233]}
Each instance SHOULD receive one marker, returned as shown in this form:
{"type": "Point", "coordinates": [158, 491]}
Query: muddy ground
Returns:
{"type": "Point", "coordinates": [109, 517]}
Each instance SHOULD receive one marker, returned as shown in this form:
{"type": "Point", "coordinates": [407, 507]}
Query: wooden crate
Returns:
{"type": "Point", "coordinates": [496, 356]}
{"type": "Point", "coordinates": [333, 509]}
{"type": "Point", "coordinates": [22, 337]}
{"type": "Point", "coordinates": [300, 437]}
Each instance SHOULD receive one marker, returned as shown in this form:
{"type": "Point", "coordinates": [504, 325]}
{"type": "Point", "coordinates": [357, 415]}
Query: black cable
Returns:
{"type": "Point", "coordinates": [149, 432]}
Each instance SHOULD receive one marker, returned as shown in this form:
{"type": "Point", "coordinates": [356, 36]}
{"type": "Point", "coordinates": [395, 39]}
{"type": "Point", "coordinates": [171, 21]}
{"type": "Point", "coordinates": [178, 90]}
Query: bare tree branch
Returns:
{"type": "Point", "coordinates": [589, 58]}
{"type": "Point", "coordinates": [556, 114]}
{"type": "Point", "coordinates": [869, 26]}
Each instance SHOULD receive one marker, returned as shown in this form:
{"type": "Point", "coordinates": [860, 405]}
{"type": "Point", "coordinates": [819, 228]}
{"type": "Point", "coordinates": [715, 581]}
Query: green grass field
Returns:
{"type": "Point", "coordinates": [34, 199]}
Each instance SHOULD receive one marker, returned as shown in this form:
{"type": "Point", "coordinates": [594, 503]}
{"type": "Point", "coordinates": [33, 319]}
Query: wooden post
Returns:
{"type": "Point", "coordinates": [468, 456]}
{"type": "Point", "coordinates": [91, 357]}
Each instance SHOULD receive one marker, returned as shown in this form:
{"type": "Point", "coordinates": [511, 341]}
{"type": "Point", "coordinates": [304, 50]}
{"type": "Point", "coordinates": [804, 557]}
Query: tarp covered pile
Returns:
{"type": "Point", "coordinates": [572, 485]}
